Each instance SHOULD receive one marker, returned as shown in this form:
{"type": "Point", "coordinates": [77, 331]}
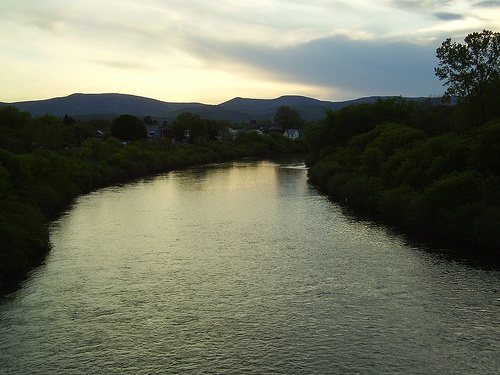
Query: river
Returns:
{"type": "Point", "coordinates": [243, 268]}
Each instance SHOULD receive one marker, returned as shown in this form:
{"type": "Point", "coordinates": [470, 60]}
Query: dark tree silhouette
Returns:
{"type": "Point", "coordinates": [128, 127]}
{"type": "Point", "coordinates": [288, 118]}
{"type": "Point", "coordinates": [469, 69]}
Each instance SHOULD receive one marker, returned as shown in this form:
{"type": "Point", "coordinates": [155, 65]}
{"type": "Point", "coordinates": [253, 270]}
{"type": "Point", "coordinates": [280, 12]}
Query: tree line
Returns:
{"type": "Point", "coordinates": [433, 170]}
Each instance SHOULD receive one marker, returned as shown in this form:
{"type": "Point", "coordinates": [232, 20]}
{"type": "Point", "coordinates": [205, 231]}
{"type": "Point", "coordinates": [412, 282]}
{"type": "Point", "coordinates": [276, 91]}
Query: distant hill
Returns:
{"type": "Point", "coordinates": [88, 106]}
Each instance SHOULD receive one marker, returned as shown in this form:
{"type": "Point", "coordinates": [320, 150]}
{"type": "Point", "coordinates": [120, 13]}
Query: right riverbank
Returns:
{"type": "Point", "coordinates": [415, 168]}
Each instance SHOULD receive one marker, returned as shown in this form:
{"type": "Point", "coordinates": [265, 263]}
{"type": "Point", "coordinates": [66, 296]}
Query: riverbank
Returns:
{"type": "Point", "coordinates": [438, 183]}
{"type": "Point", "coordinates": [39, 186]}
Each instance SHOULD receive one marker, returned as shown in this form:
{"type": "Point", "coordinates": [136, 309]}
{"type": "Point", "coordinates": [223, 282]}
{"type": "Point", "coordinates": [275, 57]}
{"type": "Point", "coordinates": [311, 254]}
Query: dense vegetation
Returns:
{"type": "Point", "coordinates": [408, 163]}
{"type": "Point", "coordinates": [431, 170]}
{"type": "Point", "coordinates": [45, 162]}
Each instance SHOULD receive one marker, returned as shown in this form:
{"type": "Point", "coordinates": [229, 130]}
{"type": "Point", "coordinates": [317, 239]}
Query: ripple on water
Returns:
{"type": "Point", "coordinates": [243, 268]}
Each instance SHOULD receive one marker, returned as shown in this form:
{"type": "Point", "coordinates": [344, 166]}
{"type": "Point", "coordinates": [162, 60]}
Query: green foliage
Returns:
{"type": "Point", "coordinates": [452, 190]}
{"type": "Point", "coordinates": [20, 178]}
{"type": "Point", "coordinates": [400, 204]}
{"type": "Point", "coordinates": [372, 160]}
{"type": "Point", "coordinates": [128, 128]}
{"type": "Point", "coordinates": [288, 118]}
{"type": "Point", "coordinates": [434, 119]}
{"type": "Point", "coordinates": [11, 117]}
{"type": "Point", "coordinates": [486, 148]}
{"type": "Point", "coordinates": [191, 127]}
{"type": "Point", "coordinates": [469, 69]}
{"type": "Point", "coordinates": [215, 128]}
{"type": "Point", "coordinates": [5, 182]}
{"type": "Point", "coordinates": [97, 150]}
{"type": "Point", "coordinates": [24, 236]}
{"type": "Point", "coordinates": [361, 191]}
{"type": "Point", "coordinates": [248, 137]}
{"type": "Point", "coordinates": [464, 206]}
{"type": "Point", "coordinates": [15, 129]}
{"type": "Point", "coordinates": [52, 134]}
{"type": "Point", "coordinates": [340, 126]}
{"type": "Point", "coordinates": [426, 179]}
{"type": "Point", "coordinates": [313, 137]}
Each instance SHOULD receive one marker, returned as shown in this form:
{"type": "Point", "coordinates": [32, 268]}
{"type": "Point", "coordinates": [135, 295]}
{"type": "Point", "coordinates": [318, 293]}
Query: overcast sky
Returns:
{"type": "Point", "coordinates": [212, 51]}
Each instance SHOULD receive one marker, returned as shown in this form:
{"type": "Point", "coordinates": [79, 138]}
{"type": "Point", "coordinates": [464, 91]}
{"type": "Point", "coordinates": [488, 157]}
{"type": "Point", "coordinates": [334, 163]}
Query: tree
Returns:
{"type": "Point", "coordinates": [288, 118]}
{"type": "Point", "coordinates": [192, 124]}
{"type": "Point", "coordinates": [13, 118]}
{"type": "Point", "coordinates": [50, 133]}
{"type": "Point", "coordinates": [68, 120]}
{"type": "Point", "coordinates": [215, 128]}
{"type": "Point", "coordinates": [148, 120]}
{"type": "Point", "coordinates": [469, 69]}
{"type": "Point", "coordinates": [16, 130]}
{"type": "Point", "coordinates": [128, 127]}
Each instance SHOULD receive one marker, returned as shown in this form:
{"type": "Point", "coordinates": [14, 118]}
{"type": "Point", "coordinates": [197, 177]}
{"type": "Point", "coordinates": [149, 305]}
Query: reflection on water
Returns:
{"type": "Point", "coordinates": [243, 268]}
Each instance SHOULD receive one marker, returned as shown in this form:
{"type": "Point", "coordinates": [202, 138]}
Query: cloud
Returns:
{"type": "Point", "coordinates": [356, 66]}
{"type": "Point", "coordinates": [488, 4]}
{"type": "Point", "coordinates": [124, 64]}
{"type": "Point", "coordinates": [346, 47]}
{"type": "Point", "coordinates": [420, 3]}
{"type": "Point", "coordinates": [445, 16]}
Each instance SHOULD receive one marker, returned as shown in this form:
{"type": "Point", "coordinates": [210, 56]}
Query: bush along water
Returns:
{"type": "Point", "coordinates": [407, 163]}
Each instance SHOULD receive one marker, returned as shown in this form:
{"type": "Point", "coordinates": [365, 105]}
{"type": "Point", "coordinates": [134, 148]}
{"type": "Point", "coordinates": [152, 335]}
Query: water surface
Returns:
{"type": "Point", "coordinates": [243, 268]}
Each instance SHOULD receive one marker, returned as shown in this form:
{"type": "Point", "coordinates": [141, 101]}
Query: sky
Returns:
{"type": "Point", "coordinates": [212, 51]}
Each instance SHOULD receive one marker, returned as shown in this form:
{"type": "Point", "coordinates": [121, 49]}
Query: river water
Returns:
{"type": "Point", "coordinates": [243, 268]}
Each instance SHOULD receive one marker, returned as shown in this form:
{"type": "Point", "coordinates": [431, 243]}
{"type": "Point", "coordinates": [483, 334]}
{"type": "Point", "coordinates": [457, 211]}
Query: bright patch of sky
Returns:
{"type": "Point", "coordinates": [210, 52]}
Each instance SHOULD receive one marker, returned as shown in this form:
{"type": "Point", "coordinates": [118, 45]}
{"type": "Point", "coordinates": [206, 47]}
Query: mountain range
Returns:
{"type": "Point", "coordinates": [237, 110]}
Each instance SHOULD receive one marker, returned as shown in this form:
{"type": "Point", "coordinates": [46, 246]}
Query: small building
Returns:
{"type": "Point", "coordinates": [291, 133]}
{"type": "Point", "coordinates": [154, 132]}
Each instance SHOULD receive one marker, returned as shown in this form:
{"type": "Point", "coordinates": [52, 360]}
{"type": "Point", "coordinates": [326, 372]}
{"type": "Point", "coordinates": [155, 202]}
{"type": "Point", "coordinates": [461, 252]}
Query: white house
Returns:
{"type": "Point", "coordinates": [291, 133]}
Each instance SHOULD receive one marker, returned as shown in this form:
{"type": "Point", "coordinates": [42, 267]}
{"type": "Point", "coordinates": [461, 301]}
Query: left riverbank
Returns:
{"type": "Point", "coordinates": [38, 186]}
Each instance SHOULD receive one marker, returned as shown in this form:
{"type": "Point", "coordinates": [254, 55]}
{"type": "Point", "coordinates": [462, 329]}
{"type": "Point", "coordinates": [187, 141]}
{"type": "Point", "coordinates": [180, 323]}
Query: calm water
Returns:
{"type": "Point", "coordinates": [243, 268]}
